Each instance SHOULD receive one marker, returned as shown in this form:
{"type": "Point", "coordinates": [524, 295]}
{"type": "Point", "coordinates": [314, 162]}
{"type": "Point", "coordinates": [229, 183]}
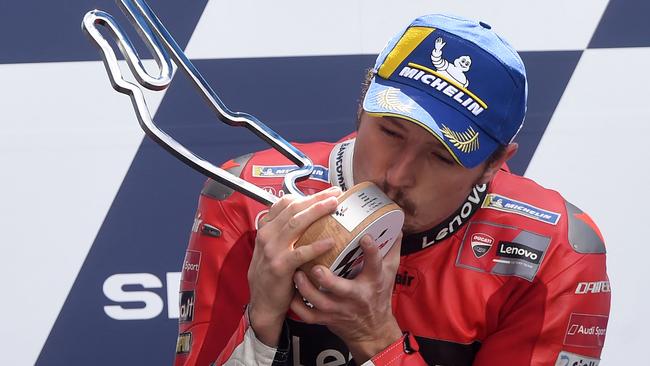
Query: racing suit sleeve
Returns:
{"type": "Point", "coordinates": [245, 349]}
{"type": "Point", "coordinates": [214, 288]}
{"type": "Point", "coordinates": [560, 320]}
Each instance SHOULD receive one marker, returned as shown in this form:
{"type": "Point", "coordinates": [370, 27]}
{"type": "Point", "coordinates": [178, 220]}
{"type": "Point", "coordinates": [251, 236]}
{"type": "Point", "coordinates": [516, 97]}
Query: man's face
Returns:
{"type": "Point", "coordinates": [413, 168]}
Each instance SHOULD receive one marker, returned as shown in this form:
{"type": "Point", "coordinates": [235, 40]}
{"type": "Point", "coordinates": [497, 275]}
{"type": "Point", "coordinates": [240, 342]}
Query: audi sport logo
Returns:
{"type": "Point", "coordinates": [586, 330]}
{"type": "Point", "coordinates": [186, 306]}
{"type": "Point", "coordinates": [191, 266]}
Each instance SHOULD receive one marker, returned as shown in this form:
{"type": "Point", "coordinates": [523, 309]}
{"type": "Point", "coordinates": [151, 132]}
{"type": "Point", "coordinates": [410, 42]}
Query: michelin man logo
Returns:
{"type": "Point", "coordinates": [454, 71]}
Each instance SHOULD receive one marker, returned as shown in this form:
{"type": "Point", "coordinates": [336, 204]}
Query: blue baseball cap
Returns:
{"type": "Point", "coordinates": [457, 79]}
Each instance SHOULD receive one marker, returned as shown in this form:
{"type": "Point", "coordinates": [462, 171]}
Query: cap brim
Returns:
{"type": "Point", "coordinates": [467, 142]}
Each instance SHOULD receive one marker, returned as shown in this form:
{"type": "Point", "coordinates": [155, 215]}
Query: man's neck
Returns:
{"type": "Point", "coordinates": [449, 226]}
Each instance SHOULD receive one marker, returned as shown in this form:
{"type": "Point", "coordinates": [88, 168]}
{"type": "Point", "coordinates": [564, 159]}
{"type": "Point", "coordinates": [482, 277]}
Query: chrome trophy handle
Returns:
{"type": "Point", "coordinates": [165, 50]}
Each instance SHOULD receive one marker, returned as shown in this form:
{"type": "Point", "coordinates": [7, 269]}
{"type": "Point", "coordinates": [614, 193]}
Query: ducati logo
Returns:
{"type": "Point", "coordinates": [481, 244]}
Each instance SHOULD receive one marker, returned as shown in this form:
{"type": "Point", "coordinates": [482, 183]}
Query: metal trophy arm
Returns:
{"type": "Point", "coordinates": [363, 209]}
{"type": "Point", "coordinates": [165, 49]}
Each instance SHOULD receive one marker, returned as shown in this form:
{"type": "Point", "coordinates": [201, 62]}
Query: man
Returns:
{"type": "Point", "coordinates": [492, 269]}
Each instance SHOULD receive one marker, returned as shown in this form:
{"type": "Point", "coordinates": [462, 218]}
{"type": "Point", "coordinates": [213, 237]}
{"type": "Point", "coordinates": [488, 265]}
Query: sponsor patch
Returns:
{"type": "Point", "coordinates": [586, 330]}
{"type": "Point", "coordinates": [572, 359]}
{"type": "Point", "coordinates": [481, 244]}
{"type": "Point", "coordinates": [407, 279]}
{"type": "Point", "coordinates": [186, 311]}
{"type": "Point", "coordinates": [184, 343]}
{"type": "Point", "coordinates": [191, 266]}
{"type": "Point", "coordinates": [518, 252]}
{"type": "Point", "coordinates": [505, 204]}
{"type": "Point", "coordinates": [274, 171]}
{"type": "Point", "coordinates": [592, 287]}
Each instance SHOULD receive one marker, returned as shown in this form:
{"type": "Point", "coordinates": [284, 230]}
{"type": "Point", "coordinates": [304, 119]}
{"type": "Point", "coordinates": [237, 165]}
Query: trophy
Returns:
{"type": "Point", "coordinates": [362, 210]}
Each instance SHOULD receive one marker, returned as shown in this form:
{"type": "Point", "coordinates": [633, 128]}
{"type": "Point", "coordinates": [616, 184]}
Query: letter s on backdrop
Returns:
{"type": "Point", "coordinates": [113, 289]}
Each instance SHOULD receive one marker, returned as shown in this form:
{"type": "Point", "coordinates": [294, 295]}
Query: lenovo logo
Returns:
{"type": "Point", "coordinates": [519, 251]}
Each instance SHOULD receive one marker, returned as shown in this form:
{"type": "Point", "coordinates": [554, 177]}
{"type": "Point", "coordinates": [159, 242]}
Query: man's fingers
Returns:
{"type": "Point", "coordinates": [303, 202]}
{"type": "Point", "coordinates": [371, 258]}
{"type": "Point", "coordinates": [279, 206]}
{"type": "Point", "coordinates": [320, 299]}
{"type": "Point", "coordinates": [275, 229]}
{"type": "Point", "coordinates": [300, 217]}
{"type": "Point", "coordinates": [301, 255]}
{"type": "Point", "coordinates": [307, 315]}
{"type": "Point", "coordinates": [263, 219]}
{"type": "Point", "coordinates": [338, 286]}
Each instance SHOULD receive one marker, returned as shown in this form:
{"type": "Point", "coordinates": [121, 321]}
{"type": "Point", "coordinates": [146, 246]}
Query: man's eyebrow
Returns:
{"type": "Point", "coordinates": [438, 146]}
{"type": "Point", "coordinates": [395, 122]}
{"type": "Point", "coordinates": [435, 144]}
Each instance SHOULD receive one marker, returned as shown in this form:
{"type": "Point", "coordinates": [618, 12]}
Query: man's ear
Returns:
{"type": "Point", "coordinates": [496, 163]}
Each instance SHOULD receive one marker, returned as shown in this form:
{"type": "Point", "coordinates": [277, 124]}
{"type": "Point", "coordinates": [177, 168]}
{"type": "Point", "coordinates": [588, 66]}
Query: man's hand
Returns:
{"type": "Point", "coordinates": [274, 262]}
{"type": "Point", "coordinates": [359, 310]}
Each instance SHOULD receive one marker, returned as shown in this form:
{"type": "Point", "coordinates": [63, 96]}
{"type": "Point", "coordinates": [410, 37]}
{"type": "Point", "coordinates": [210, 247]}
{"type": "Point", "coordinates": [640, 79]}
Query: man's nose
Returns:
{"type": "Point", "coordinates": [403, 169]}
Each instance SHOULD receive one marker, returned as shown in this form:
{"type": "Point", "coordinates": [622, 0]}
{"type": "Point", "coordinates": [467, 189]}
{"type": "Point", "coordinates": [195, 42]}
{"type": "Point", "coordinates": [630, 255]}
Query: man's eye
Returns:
{"type": "Point", "coordinates": [390, 132]}
{"type": "Point", "coordinates": [442, 158]}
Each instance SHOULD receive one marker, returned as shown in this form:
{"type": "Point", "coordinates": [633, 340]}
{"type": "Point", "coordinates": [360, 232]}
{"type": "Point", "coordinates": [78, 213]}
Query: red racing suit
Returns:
{"type": "Point", "coordinates": [516, 276]}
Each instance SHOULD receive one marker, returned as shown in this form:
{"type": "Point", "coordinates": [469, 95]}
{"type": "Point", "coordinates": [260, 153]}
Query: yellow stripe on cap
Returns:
{"type": "Point", "coordinates": [409, 41]}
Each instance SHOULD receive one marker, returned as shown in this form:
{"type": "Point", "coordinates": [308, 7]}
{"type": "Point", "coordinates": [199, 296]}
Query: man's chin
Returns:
{"type": "Point", "coordinates": [410, 227]}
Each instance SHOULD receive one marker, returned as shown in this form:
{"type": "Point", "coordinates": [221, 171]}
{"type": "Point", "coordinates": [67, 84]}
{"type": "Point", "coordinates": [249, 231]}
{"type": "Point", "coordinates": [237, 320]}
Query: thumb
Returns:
{"type": "Point", "coordinates": [392, 258]}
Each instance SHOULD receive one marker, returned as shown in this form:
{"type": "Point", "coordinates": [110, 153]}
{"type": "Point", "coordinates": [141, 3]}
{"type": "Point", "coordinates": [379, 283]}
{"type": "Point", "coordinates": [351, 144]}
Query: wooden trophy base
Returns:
{"type": "Point", "coordinates": [363, 209]}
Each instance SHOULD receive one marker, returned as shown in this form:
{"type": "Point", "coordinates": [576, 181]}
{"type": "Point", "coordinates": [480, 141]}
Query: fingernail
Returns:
{"type": "Point", "coordinates": [318, 272]}
{"type": "Point", "coordinates": [328, 243]}
{"type": "Point", "coordinates": [367, 240]}
{"type": "Point", "coordinates": [335, 189]}
{"type": "Point", "coordinates": [297, 278]}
